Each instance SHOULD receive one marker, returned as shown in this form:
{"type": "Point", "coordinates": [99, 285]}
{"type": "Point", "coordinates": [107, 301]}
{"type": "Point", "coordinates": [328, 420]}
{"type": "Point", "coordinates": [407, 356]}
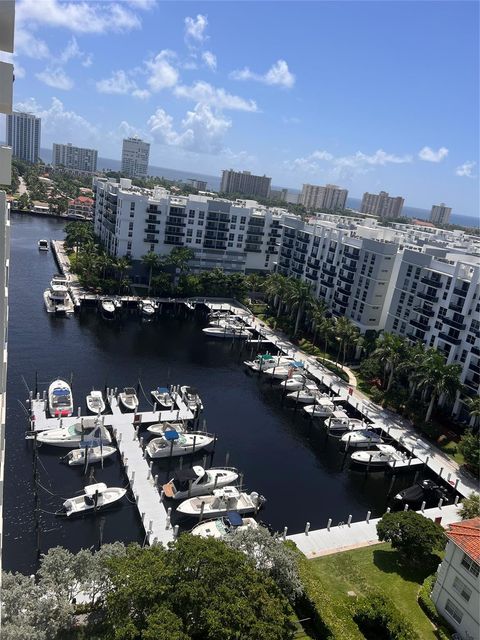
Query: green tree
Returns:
{"type": "Point", "coordinates": [317, 318]}
{"type": "Point", "coordinates": [390, 352]}
{"type": "Point", "coordinates": [24, 201]}
{"type": "Point", "coordinates": [152, 261]}
{"type": "Point", "coordinates": [438, 379]}
{"type": "Point", "coordinates": [473, 405]}
{"type": "Point", "coordinates": [469, 447]}
{"type": "Point", "coordinates": [470, 506]}
{"type": "Point", "coordinates": [299, 298]}
{"type": "Point", "coordinates": [415, 536]}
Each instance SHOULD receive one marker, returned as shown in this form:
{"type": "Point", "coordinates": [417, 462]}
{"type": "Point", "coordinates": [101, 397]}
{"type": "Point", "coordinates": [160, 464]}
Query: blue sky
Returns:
{"type": "Point", "coordinates": [368, 95]}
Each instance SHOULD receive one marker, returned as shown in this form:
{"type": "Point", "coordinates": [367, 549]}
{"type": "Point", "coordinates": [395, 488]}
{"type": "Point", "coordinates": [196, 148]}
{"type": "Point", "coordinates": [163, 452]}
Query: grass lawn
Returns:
{"type": "Point", "coordinates": [375, 567]}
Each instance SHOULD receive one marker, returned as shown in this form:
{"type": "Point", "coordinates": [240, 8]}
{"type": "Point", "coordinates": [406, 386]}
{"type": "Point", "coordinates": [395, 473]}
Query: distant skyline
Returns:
{"type": "Point", "coordinates": [367, 95]}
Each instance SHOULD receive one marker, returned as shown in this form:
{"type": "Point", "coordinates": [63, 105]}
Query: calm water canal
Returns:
{"type": "Point", "coordinates": [298, 469]}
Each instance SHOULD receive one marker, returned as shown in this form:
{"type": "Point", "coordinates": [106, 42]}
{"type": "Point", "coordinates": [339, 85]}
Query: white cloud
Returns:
{"type": "Point", "coordinates": [278, 74]}
{"type": "Point", "coordinates": [72, 51]}
{"type": "Point", "coordinates": [465, 170]}
{"type": "Point", "coordinates": [56, 78]}
{"type": "Point", "coordinates": [430, 155]}
{"type": "Point", "coordinates": [204, 93]}
{"type": "Point", "coordinates": [291, 120]}
{"type": "Point", "coordinates": [210, 59]}
{"type": "Point", "coordinates": [195, 28]}
{"type": "Point", "coordinates": [87, 60]}
{"type": "Point", "coordinates": [141, 94]}
{"type": "Point", "coordinates": [345, 166]}
{"type": "Point", "coordinates": [380, 158]}
{"type": "Point", "coordinates": [118, 83]}
{"type": "Point", "coordinates": [26, 44]}
{"type": "Point", "coordinates": [162, 72]}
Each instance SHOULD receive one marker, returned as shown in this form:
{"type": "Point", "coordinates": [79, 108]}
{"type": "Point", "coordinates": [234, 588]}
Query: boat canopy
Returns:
{"type": "Point", "coordinates": [185, 475]}
{"type": "Point", "coordinates": [92, 489]}
{"type": "Point", "coordinates": [234, 519]}
{"type": "Point", "coordinates": [162, 390]}
{"type": "Point", "coordinates": [266, 356]}
{"type": "Point", "coordinates": [172, 435]}
{"type": "Point", "coordinates": [297, 364]}
{"type": "Point", "coordinates": [340, 415]}
{"type": "Point", "coordinates": [191, 391]}
{"type": "Point", "coordinates": [61, 392]}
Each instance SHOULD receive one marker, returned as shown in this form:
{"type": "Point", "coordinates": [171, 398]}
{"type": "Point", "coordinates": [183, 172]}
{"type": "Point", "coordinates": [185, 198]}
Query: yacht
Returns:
{"type": "Point", "coordinates": [161, 428]}
{"type": "Point", "coordinates": [148, 307]}
{"type": "Point", "coordinates": [267, 361]}
{"type": "Point", "coordinates": [296, 382]}
{"type": "Point", "coordinates": [173, 443]}
{"type": "Point", "coordinates": [339, 422]}
{"type": "Point", "coordinates": [95, 402]}
{"type": "Point", "coordinates": [86, 432]}
{"type": "Point", "coordinates": [283, 372]}
{"type": "Point", "coordinates": [60, 399]}
{"type": "Point", "coordinates": [162, 397]}
{"type": "Point", "coordinates": [426, 491]}
{"type": "Point", "coordinates": [322, 408]}
{"type": "Point", "coordinates": [307, 395]}
{"type": "Point", "coordinates": [43, 245]}
{"type": "Point", "coordinates": [76, 457]}
{"type": "Point", "coordinates": [222, 527]}
{"type": "Point", "coordinates": [57, 298]}
{"type": "Point", "coordinates": [191, 398]}
{"type": "Point", "coordinates": [128, 398]}
{"type": "Point", "coordinates": [227, 331]}
{"type": "Point", "coordinates": [378, 457]}
{"type": "Point", "coordinates": [221, 502]}
{"type": "Point", "coordinates": [198, 481]}
{"type": "Point", "coordinates": [97, 496]}
{"type": "Point", "coordinates": [361, 438]}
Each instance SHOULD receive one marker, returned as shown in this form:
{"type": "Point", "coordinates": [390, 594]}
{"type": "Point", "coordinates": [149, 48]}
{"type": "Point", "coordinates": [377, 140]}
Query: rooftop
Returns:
{"type": "Point", "coordinates": [466, 535]}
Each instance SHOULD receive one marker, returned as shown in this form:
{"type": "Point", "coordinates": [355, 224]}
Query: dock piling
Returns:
{"type": "Point", "coordinates": [169, 515]}
{"type": "Point", "coordinates": [349, 520]}
{"type": "Point", "coordinates": [405, 508]}
{"type": "Point", "coordinates": [202, 507]}
{"type": "Point", "coordinates": [422, 508]}
{"type": "Point", "coordinates": [307, 528]}
{"type": "Point", "coordinates": [367, 519]}
{"type": "Point", "coordinates": [329, 523]}
{"type": "Point", "coordinates": [285, 531]}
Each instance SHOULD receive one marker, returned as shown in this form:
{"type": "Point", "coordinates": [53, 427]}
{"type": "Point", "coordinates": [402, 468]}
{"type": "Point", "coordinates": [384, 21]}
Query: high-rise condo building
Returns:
{"type": "Point", "coordinates": [329, 197]}
{"type": "Point", "coordinates": [245, 184]}
{"type": "Point", "coordinates": [135, 154]}
{"type": "Point", "coordinates": [74, 159]}
{"type": "Point", "coordinates": [440, 213]}
{"type": "Point", "coordinates": [7, 20]}
{"type": "Point", "coordinates": [382, 205]}
{"type": "Point", "coordinates": [23, 135]}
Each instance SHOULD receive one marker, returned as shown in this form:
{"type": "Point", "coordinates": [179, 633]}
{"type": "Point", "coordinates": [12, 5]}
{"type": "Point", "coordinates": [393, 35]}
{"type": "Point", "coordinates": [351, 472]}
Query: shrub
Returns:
{"type": "Point", "coordinates": [377, 617]}
{"type": "Point", "coordinates": [443, 631]}
{"type": "Point", "coordinates": [415, 536]}
{"type": "Point", "coordinates": [470, 506]}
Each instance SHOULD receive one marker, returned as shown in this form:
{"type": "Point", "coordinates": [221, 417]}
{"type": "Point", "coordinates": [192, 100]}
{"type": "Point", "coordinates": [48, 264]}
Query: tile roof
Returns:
{"type": "Point", "coordinates": [466, 535]}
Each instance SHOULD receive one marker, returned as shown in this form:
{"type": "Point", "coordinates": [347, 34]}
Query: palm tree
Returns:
{"type": "Point", "coordinates": [122, 265]}
{"type": "Point", "coordinates": [152, 261]}
{"type": "Point", "coordinates": [473, 405]}
{"type": "Point", "coordinates": [276, 288]}
{"type": "Point", "coordinates": [345, 332]}
{"type": "Point", "coordinates": [254, 282]}
{"type": "Point", "coordinates": [299, 298]}
{"type": "Point", "coordinates": [317, 316]}
{"type": "Point", "coordinates": [439, 379]}
{"type": "Point", "coordinates": [390, 351]}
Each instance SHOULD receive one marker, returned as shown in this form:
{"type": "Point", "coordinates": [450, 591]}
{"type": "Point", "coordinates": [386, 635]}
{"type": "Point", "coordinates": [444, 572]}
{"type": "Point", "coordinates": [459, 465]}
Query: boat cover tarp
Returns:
{"type": "Point", "coordinates": [162, 390]}
{"type": "Point", "coordinates": [414, 493]}
{"type": "Point", "coordinates": [234, 518]}
{"type": "Point", "coordinates": [184, 475]}
{"type": "Point", "coordinates": [61, 392]}
{"type": "Point", "coordinates": [171, 435]}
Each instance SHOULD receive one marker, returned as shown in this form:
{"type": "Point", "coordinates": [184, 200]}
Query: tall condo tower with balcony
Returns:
{"type": "Point", "coordinates": [135, 154]}
{"type": "Point", "coordinates": [23, 135]}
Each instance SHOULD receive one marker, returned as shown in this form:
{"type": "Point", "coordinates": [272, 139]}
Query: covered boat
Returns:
{"type": "Point", "coordinates": [97, 496]}
{"type": "Point", "coordinates": [95, 402]}
{"type": "Point", "coordinates": [173, 443]}
{"type": "Point", "coordinates": [426, 491]}
{"type": "Point", "coordinates": [87, 431]}
{"type": "Point", "coordinates": [162, 397]}
{"type": "Point", "coordinates": [322, 408]}
{"type": "Point", "coordinates": [60, 399]}
{"type": "Point", "coordinates": [108, 308]}
{"type": "Point", "coordinates": [221, 502]}
{"type": "Point", "coordinates": [92, 454]}
{"type": "Point", "coordinates": [128, 398]}
{"type": "Point", "coordinates": [222, 527]}
{"type": "Point", "coordinates": [197, 481]}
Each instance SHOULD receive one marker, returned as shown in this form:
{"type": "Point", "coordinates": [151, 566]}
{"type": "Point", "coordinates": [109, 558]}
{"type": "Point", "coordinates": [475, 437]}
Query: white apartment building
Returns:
{"type": "Point", "coordinates": [74, 159]}
{"type": "Point", "coordinates": [23, 135]}
{"type": "Point", "coordinates": [235, 236]}
{"type": "Point", "coordinates": [7, 21]}
{"type": "Point", "coordinates": [245, 183]}
{"type": "Point", "coordinates": [440, 213]}
{"type": "Point", "coordinates": [382, 205]}
{"type": "Point", "coordinates": [135, 155]}
{"type": "Point", "coordinates": [456, 593]}
{"type": "Point", "coordinates": [328, 197]}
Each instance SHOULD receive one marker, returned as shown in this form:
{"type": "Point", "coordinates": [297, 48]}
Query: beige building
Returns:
{"type": "Point", "coordinates": [328, 197]}
{"type": "Point", "coordinates": [245, 184]}
{"type": "Point", "coordinates": [135, 155]}
{"type": "Point", "coordinates": [440, 213]}
{"type": "Point", "coordinates": [74, 159]}
{"type": "Point", "coordinates": [382, 205]}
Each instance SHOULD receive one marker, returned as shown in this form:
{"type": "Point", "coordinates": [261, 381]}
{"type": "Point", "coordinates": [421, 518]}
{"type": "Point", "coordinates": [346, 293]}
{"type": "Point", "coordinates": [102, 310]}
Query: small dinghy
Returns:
{"type": "Point", "coordinates": [361, 438]}
{"type": "Point", "coordinates": [97, 496]}
{"type": "Point", "coordinates": [93, 454]}
{"type": "Point", "coordinates": [43, 245]}
{"type": "Point", "coordinates": [322, 408]}
{"type": "Point", "coordinates": [162, 397]}
{"type": "Point", "coordinates": [426, 491]}
{"type": "Point", "coordinates": [283, 372]}
{"type": "Point", "coordinates": [88, 432]}
{"type": "Point", "coordinates": [128, 398]}
{"type": "Point", "coordinates": [308, 395]}
{"type": "Point", "coordinates": [222, 527]}
{"type": "Point", "coordinates": [95, 402]}
{"type": "Point", "coordinates": [339, 422]}
{"type": "Point", "coordinates": [60, 400]}
{"type": "Point", "coordinates": [379, 457]}
{"type": "Point", "coordinates": [198, 481]}
{"type": "Point", "coordinates": [296, 382]}
{"type": "Point", "coordinates": [221, 502]}
{"type": "Point", "coordinates": [191, 398]}
{"type": "Point", "coordinates": [161, 428]}
{"type": "Point", "coordinates": [148, 307]}
{"type": "Point", "coordinates": [173, 443]}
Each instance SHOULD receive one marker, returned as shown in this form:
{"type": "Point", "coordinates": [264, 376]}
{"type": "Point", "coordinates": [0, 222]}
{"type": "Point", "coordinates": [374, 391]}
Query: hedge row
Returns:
{"type": "Point", "coordinates": [443, 631]}
{"type": "Point", "coordinates": [377, 616]}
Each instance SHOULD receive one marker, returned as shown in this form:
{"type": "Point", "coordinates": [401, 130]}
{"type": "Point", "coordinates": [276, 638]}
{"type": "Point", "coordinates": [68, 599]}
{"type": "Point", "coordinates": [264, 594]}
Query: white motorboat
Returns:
{"type": "Point", "coordinates": [227, 331]}
{"type": "Point", "coordinates": [128, 398]}
{"type": "Point", "coordinates": [283, 372]}
{"type": "Point", "coordinates": [57, 299]}
{"type": "Point", "coordinates": [95, 402]}
{"type": "Point", "coordinates": [308, 395]}
{"type": "Point", "coordinates": [222, 527]}
{"type": "Point", "coordinates": [296, 382]}
{"type": "Point", "coordinates": [322, 408]}
{"type": "Point", "coordinates": [60, 399]}
{"type": "Point", "coordinates": [198, 481]}
{"type": "Point", "coordinates": [162, 397]}
{"type": "Point", "coordinates": [228, 321]}
{"type": "Point", "coordinates": [267, 361]}
{"type": "Point", "coordinates": [173, 443]}
{"type": "Point", "coordinates": [378, 457]}
{"type": "Point", "coordinates": [59, 279]}
{"type": "Point", "coordinates": [161, 428]}
{"type": "Point", "coordinates": [43, 245]}
{"type": "Point", "coordinates": [339, 422]}
{"type": "Point", "coordinates": [88, 432]}
{"type": "Point", "coordinates": [221, 502]}
{"type": "Point", "coordinates": [361, 438]}
{"type": "Point", "coordinates": [108, 308]}
{"type": "Point", "coordinates": [148, 307]}
{"type": "Point", "coordinates": [97, 496]}
{"type": "Point", "coordinates": [93, 454]}
{"type": "Point", "coordinates": [191, 398]}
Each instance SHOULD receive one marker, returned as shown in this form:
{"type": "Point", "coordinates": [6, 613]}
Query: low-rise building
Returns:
{"type": "Point", "coordinates": [456, 593]}
{"type": "Point", "coordinates": [81, 207]}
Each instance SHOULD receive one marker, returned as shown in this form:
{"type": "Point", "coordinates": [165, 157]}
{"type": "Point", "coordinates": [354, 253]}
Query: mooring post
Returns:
{"type": "Point", "coordinates": [405, 508]}
{"type": "Point", "coordinates": [329, 523]}
{"type": "Point", "coordinates": [285, 530]}
{"type": "Point", "coordinates": [227, 458]}
{"type": "Point", "coordinates": [388, 510]}
{"type": "Point", "coordinates": [440, 472]}
{"type": "Point", "coordinates": [202, 507]}
{"type": "Point", "coordinates": [440, 503]}
{"type": "Point", "coordinates": [349, 520]}
{"type": "Point", "coordinates": [176, 530]}
{"type": "Point", "coordinates": [169, 515]}
{"type": "Point", "coordinates": [367, 519]}
{"type": "Point", "coordinates": [457, 498]}
{"type": "Point", "coordinates": [422, 508]}
{"type": "Point", "coordinates": [307, 528]}
{"type": "Point", "coordinates": [155, 479]}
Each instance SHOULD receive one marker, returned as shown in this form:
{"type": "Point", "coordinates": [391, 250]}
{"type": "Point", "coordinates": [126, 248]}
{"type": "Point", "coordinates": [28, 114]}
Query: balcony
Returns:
{"type": "Point", "coordinates": [431, 282]}
{"type": "Point", "coordinates": [346, 292]}
{"type": "Point", "coordinates": [252, 248]}
{"type": "Point", "coordinates": [460, 292]}
{"type": "Point", "coordinates": [339, 301]}
{"type": "Point", "coordinates": [175, 211]}
{"type": "Point", "coordinates": [427, 297]}
{"type": "Point", "coordinates": [153, 241]}
{"type": "Point", "coordinates": [151, 231]}
{"type": "Point", "coordinates": [176, 223]}
{"type": "Point", "coordinates": [425, 311]}
{"type": "Point", "coordinates": [175, 241]}
{"type": "Point", "coordinates": [448, 338]}
{"type": "Point", "coordinates": [419, 325]}
{"type": "Point", "coordinates": [351, 255]}
{"type": "Point", "coordinates": [315, 264]}
{"type": "Point", "coordinates": [286, 252]}
{"type": "Point", "coordinates": [288, 244]}
{"type": "Point", "coordinates": [152, 208]}
{"type": "Point", "coordinates": [415, 337]}
{"type": "Point", "coordinates": [474, 367]}
{"type": "Point", "coordinates": [312, 276]}
{"type": "Point", "coordinates": [296, 269]}
{"type": "Point", "coordinates": [330, 260]}
{"type": "Point", "coordinates": [453, 323]}
{"type": "Point", "coordinates": [329, 270]}
{"type": "Point", "coordinates": [152, 220]}
{"type": "Point", "coordinates": [475, 351]}
{"type": "Point", "coordinates": [456, 307]}
{"type": "Point", "coordinates": [349, 267]}
{"type": "Point", "coordinates": [345, 278]}
{"type": "Point", "coordinates": [173, 231]}
{"type": "Point", "coordinates": [325, 283]}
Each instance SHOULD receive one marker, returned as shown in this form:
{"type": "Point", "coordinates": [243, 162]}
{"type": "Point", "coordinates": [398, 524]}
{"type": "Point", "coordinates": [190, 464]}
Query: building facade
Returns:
{"type": "Point", "coordinates": [74, 159]}
{"type": "Point", "coordinates": [81, 207]}
{"type": "Point", "coordinates": [245, 183]}
{"type": "Point", "coordinates": [382, 205]}
{"type": "Point", "coordinates": [456, 593]}
{"type": "Point", "coordinates": [440, 213]}
{"type": "Point", "coordinates": [328, 197]}
{"type": "Point", "coordinates": [135, 155]}
{"type": "Point", "coordinates": [23, 135]}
